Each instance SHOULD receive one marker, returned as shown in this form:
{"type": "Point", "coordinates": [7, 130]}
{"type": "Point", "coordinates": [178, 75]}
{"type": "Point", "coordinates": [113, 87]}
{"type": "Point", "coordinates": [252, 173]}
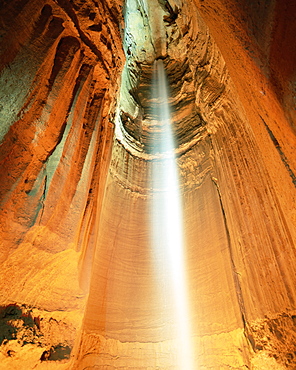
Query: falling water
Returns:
{"type": "Point", "coordinates": [167, 218]}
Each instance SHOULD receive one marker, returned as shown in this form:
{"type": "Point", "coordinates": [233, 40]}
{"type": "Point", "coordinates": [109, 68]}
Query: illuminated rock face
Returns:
{"type": "Point", "coordinates": [76, 260]}
{"type": "Point", "coordinates": [60, 67]}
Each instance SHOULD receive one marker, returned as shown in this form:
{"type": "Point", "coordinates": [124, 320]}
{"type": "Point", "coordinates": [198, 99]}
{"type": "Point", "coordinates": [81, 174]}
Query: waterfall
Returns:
{"type": "Point", "coordinates": [167, 224]}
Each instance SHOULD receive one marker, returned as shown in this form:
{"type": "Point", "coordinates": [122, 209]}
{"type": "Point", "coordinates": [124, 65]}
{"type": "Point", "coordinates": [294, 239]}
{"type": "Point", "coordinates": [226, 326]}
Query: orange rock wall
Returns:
{"type": "Point", "coordinates": [259, 204]}
{"type": "Point", "coordinates": [60, 66]}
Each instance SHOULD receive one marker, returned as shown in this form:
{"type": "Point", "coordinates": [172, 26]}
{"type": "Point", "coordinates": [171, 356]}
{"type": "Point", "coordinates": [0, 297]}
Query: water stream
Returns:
{"type": "Point", "coordinates": [167, 220]}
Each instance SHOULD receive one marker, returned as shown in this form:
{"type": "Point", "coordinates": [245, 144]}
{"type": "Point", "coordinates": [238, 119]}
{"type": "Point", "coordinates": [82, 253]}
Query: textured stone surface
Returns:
{"type": "Point", "coordinates": [77, 265]}
{"type": "Point", "coordinates": [29, 335]}
{"type": "Point", "coordinates": [60, 64]}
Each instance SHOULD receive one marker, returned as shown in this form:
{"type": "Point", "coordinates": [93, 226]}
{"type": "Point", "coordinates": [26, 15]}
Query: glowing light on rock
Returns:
{"type": "Point", "coordinates": [168, 243]}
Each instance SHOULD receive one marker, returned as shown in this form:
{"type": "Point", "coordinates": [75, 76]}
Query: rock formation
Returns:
{"type": "Point", "coordinates": [78, 286]}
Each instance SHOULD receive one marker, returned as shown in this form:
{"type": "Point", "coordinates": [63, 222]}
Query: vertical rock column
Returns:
{"type": "Point", "coordinates": [254, 155]}
{"type": "Point", "coordinates": [60, 64]}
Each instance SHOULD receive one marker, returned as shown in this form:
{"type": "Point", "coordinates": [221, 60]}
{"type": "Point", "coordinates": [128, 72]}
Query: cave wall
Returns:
{"type": "Point", "coordinates": [60, 66]}
{"type": "Point", "coordinates": [237, 178]}
{"type": "Point", "coordinates": [249, 37]}
{"type": "Point", "coordinates": [76, 264]}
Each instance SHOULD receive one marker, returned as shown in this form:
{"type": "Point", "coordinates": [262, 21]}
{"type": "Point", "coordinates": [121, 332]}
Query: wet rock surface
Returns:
{"type": "Point", "coordinates": [275, 337]}
{"type": "Point", "coordinates": [26, 330]}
